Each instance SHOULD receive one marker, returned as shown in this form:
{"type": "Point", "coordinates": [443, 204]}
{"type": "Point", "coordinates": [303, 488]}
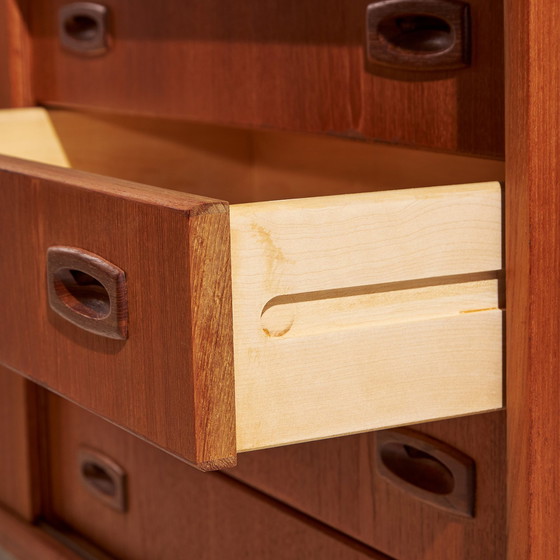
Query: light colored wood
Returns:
{"type": "Point", "coordinates": [334, 296]}
{"type": "Point", "coordinates": [29, 134]}
{"type": "Point", "coordinates": [249, 165]}
{"type": "Point", "coordinates": [347, 371]}
{"type": "Point", "coordinates": [228, 163]}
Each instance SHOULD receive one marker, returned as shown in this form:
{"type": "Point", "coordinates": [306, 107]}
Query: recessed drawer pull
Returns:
{"type": "Point", "coordinates": [103, 477]}
{"type": "Point", "coordinates": [83, 28]}
{"type": "Point", "coordinates": [428, 469]}
{"type": "Point", "coordinates": [88, 291]}
{"type": "Point", "coordinates": [418, 34]}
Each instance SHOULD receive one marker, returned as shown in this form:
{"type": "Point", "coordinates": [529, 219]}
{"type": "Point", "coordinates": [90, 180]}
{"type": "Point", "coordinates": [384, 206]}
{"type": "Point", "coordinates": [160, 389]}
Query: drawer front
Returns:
{"type": "Point", "coordinates": [173, 511]}
{"type": "Point", "coordinates": [339, 482]}
{"type": "Point", "coordinates": [170, 380]}
{"type": "Point", "coordinates": [298, 67]}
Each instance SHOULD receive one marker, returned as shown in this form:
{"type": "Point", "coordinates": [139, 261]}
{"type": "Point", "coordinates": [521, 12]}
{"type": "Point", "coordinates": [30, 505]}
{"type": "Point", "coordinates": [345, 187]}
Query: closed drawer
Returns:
{"type": "Point", "coordinates": [340, 314]}
{"type": "Point", "coordinates": [340, 482]}
{"type": "Point", "coordinates": [298, 67]}
{"type": "Point", "coordinates": [170, 511]}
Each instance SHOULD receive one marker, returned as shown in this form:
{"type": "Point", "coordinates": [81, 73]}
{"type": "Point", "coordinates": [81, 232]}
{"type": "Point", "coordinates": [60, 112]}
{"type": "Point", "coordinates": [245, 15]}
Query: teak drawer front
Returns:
{"type": "Point", "coordinates": [339, 482]}
{"type": "Point", "coordinates": [350, 313]}
{"type": "Point", "coordinates": [171, 510]}
{"type": "Point", "coordinates": [175, 251]}
{"type": "Point", "coordinates": [300, 67]}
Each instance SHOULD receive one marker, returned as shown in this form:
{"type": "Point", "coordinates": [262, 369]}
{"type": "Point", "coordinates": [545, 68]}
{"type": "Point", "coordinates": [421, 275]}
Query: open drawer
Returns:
{"type": "Point", "coordinates": [339, 314]}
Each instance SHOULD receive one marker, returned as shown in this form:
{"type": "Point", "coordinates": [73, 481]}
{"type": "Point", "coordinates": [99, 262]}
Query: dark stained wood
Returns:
{"type": "Point", "coordinates": [88, 291]}
{"type": "Point", "coordinates": [171, 382]}
{"type": "Point", "coordinates": [175, 512]}
{"type": "Point", "coordinates": [27, 542]}
{"type": "Point", "coordinates": [103, 477]}
{"type": "Point", "coordinates": [411, 34]}
{"type": "Point", "coordinates": [15, 54]}
{"type": "Point", "coordinates": [292, 65]}
{"type": "Point", "coordinates": [428, 469]}
{"type": "Point", "coordinates": [532, 272]}
{"type": "Point", "coordinates": [20, 410]}
{"type": "Point", "coordinates": [336, 481]}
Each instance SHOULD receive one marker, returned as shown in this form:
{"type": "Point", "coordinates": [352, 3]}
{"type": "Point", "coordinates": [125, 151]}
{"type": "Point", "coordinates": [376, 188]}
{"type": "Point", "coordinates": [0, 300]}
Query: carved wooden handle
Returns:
{"type": "Point", "coordinates": [103, 477]}
{"type": "Point", "coordinates": [419, 34]}
{"type": "Point", "coordinates": [88, 291]}
{"type": "Point", "coordinates": [427, 469]}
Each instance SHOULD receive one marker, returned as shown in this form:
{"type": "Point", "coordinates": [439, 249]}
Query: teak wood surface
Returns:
{"type": "Point", "coordinates": [171, 382]}
{"type": "Point", "coordinates": [297, 66]}
{"type": "Point", "coordinates": [533, 272]}
{"type": "Point", "coordinates": [23, 541]}
{"type": "Point", "coordinates": [353, 309]}
{"type": "Point", "coordinates": [20, 445]}
{"type": "Point", "coordinates": [175, 512]}
{"type": "Point", "coordinates": [336, 482]}
{"type": "Point", "coordinates": [390, 278]}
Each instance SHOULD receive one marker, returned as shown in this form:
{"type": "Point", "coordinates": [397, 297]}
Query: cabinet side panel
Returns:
{"type": "Point", "coordinates": [533, 269]}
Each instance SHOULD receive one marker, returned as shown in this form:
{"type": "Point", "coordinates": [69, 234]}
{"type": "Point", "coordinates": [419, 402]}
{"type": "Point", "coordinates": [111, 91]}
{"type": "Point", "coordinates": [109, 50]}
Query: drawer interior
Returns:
{"type": "Point", "coordinates": [243, 165]}
{"type": "Point", "coordinates": [351, 311]}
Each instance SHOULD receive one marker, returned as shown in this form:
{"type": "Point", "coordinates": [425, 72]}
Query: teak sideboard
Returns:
{"type": "Point", "coordinates": [310, 246]}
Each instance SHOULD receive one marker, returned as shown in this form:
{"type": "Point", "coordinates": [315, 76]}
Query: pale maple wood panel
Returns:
{"type": "Point", "coordinates": [297, 66]}
{"type": "Point", "coordinates": [19, 445]}
{"type": "Point", "coordinates": [171, 382]}
{"type": "Point", "coordinates": [336, 481]}
{"type": "Point", "coordinates": [29, 134]}
{"type": "Point", "coordinates": [174, 511]}
{"type": "Point", "coordinates": [533, 267]}
{"type": "Point", "coordinates": [371, 345]}
{"type": "Point", "coordinates": [229, 163]}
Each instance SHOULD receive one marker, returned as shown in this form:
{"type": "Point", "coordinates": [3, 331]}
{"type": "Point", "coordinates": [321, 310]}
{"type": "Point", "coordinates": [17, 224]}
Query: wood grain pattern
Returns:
{"type": "Point", "coordinates": [171, 382]}
{"type": "Point", "coordinates": [15, 54]}
{"type": "Point", "coordinates": [27, 542]}
{"type": "Point", "coordinates": [533, 267]}
{"type": "Point", "coordinates": [346, 308]}
{"type": "Point", "coordinates": [174, 511]}
{"type": "Point", "coordinates": [336, 482]}
{"type": "Point", "coordinates": [298, 66]}
{"type": "Point", "coordinates": [19, 447]}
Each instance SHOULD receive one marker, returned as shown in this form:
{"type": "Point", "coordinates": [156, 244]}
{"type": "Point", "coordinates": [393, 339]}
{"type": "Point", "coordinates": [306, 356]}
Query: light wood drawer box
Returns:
{"type": "Point", "coordinates": [350, 312]}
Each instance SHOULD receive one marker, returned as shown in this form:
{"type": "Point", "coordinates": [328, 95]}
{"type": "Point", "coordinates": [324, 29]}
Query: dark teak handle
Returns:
{"type": "Point", "coordinates": [88, 291]}
{"type": "Point", "coordinates": [427, 469]}
{"type": "Point", "coordinates": [418, 34]}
